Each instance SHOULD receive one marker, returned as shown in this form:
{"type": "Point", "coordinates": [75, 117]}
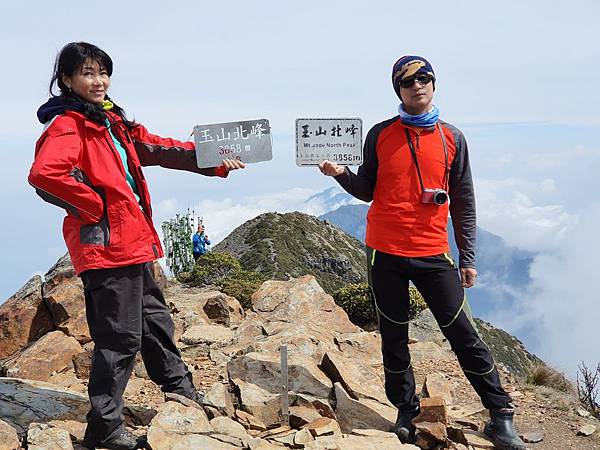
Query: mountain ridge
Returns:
{"type": "Point", "coordinates": [289, 245]}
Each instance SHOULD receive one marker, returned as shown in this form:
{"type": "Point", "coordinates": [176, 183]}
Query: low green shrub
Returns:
{"type": "Point", "coordinates": [224, 270]}
{"type": "Point", "coordinates": [355, 299]}
{"type": "Point", "coordinates": [184, 277]}
{"type": "Point", "coordinates": [241, 284]}
{"type": "Point", "coordinates": [210, 268]}
{"type": "Point", "coordinates": [417, 303]}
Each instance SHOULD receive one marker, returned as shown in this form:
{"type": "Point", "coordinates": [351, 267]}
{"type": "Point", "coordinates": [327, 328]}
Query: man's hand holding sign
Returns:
{"type": "Point", "coordinates": [331, 169]}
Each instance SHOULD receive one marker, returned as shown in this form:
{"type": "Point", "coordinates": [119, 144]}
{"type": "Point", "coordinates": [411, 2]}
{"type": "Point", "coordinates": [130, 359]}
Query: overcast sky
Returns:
{"type": "Point", "coordinates": [519, 78]}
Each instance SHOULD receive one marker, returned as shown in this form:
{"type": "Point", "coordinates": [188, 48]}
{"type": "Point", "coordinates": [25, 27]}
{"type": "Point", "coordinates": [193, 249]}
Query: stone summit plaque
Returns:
{"type": "Point", "coordinates": [247, 141]}
{"type": "Point", "coordinates": [338, 140]}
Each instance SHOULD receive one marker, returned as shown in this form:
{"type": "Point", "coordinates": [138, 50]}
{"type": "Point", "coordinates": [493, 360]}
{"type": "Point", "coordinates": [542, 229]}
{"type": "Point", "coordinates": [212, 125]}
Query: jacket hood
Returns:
{"type": "Point", "coordinates": [57, 105]}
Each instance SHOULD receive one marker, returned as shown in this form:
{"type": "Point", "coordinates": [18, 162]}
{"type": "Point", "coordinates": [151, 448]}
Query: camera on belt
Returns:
{"type": "Point", "coordinates": [434, 196]}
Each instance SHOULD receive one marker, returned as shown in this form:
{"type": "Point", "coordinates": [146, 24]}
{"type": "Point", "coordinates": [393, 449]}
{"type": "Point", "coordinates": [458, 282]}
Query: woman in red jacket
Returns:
{"type": "Point", "coordinates": [89, 161]}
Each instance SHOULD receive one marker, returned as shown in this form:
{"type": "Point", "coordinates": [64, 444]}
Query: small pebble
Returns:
{"type": "Point", "coordinates": [586, 430]}
{"type": "Point", "coordinates": [532, 437]}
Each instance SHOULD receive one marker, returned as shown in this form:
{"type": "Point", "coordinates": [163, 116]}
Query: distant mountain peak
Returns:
{"type": "Point", "coordinates": [288, 245]}
{"type": "Point", "coordinates": [331, 199]}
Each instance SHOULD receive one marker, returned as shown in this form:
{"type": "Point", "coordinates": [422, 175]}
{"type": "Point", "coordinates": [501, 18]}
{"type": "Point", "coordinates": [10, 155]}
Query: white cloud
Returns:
{"type": "Point", "coordinates": [562, 307]}
{"type": "Point", "coordinates": [507, 208]}
{"type": "Point", "coordinates": [223, 216]}
{"type": "Point", "coordinates": [579, 154]}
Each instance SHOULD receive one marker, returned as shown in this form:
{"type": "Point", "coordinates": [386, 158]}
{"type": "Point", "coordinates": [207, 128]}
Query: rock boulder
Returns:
{"type": "Point", "coordinates": [25, 401]}
{"type": "Point", "coordinates": [66, 303]}
{"type": "Point", "coordinates": [53, 352]}
{"type": "Point", "coordinates": [24, 317]}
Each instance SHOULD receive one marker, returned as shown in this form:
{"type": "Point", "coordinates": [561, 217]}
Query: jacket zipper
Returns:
{"type": "Point", "coordinates": [121, 165]}
{"type": "Point", "coordinates": [116, 155]}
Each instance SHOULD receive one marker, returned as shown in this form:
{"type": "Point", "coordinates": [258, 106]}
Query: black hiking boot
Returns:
{"type": "Point", "coordinates": [195, 398]}
{"type": "Point", "coordinates": [124, 441]}
{"type": "Point", "coordinates": [501, 430]}
{"type": "Point", "coordinates": [404, 428]}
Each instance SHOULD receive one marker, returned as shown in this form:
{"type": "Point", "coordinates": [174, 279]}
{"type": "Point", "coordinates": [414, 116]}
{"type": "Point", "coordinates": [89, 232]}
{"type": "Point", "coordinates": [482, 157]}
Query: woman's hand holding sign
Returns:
{"type": "Point", "coordinates": [233, 164]}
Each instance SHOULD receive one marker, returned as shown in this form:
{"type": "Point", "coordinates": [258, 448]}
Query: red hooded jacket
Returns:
{"type": "Point", "coordinates": [78, 168]}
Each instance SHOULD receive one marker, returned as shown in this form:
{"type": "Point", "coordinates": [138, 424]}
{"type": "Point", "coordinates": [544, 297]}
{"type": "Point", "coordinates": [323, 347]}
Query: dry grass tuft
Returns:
{"type": "Point", "coordinates": [542, 375]}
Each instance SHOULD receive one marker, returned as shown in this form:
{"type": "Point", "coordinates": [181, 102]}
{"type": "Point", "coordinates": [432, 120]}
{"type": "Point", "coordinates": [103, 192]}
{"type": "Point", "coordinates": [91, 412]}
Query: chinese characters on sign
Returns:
{"type": "Point", "coordinates": [338, 140]}
{"type": "Point", "coordinates": [248, 141]}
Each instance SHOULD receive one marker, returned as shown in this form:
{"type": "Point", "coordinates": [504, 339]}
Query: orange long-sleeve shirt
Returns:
{"type": "Point", "coordinates": [397, 221]}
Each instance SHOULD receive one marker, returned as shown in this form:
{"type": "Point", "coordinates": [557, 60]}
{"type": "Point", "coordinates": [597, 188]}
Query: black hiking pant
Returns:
{"type": "Point", "coordinates": [126, 313]}
{"type": "Point", "coordinates": [438, 281]}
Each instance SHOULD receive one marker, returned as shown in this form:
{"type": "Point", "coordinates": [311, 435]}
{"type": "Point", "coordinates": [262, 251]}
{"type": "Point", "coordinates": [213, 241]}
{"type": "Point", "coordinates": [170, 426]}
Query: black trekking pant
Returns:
{"type": "Point", "coordinates": [438, 281]}
{"type": "Point", "coordinates": [126, 313]}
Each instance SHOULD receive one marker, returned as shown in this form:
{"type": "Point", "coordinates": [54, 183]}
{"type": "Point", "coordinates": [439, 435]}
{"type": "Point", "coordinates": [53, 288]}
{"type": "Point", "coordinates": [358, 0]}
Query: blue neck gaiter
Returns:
{"type": "Point", "coordinates": [427, 119]}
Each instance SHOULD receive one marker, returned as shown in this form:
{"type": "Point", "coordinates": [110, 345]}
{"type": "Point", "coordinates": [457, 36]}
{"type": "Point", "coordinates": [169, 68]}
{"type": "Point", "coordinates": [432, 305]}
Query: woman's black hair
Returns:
{"type": "Point", "coordinates": [70, 59]}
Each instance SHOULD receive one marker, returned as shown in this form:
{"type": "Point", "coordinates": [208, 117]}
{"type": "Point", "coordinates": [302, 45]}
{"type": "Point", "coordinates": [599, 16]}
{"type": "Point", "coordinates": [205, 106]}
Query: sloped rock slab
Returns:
{"type": "Point", "coordinates": [424, 327]}
{"type": "Point", "coordinates": [364, 346]}
{"type": "Point", "coordinates": [437, 385]}
{"type": "Point", "coordinates": [192, 442]}
{"type": "Point", "coordinates": [53, 352]}
{"type": "Point", "coordinates": [258, 377]}
{"type": "Point", "coordinates": [366, 413]}
{"type": "Point", "coordinates": [359, 380]}
{"type": "Point", "coordinates": [263, 369]}
{"type": "Point", "coordinates": [478, 439]}
{"type": "Point", "coordinates": [298, 301]}
{"type": "Point", "coordinates": [25, 401]}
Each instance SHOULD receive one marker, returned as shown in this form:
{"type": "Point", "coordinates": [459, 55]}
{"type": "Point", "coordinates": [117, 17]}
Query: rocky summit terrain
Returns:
{"type": "Point", "coordinates": [334, 389]}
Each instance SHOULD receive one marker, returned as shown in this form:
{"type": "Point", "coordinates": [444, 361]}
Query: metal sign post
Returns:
{"type": "Point", "coordinates": [285, 411]}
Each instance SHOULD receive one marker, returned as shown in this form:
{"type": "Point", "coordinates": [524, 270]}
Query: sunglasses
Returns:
{"type": "Point", "coordinates": [421, 78]}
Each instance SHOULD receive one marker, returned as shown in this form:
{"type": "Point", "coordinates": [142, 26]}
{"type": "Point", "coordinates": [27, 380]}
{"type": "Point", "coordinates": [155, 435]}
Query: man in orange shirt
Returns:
{"type": "Point", "coordinates": [415, 171]}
